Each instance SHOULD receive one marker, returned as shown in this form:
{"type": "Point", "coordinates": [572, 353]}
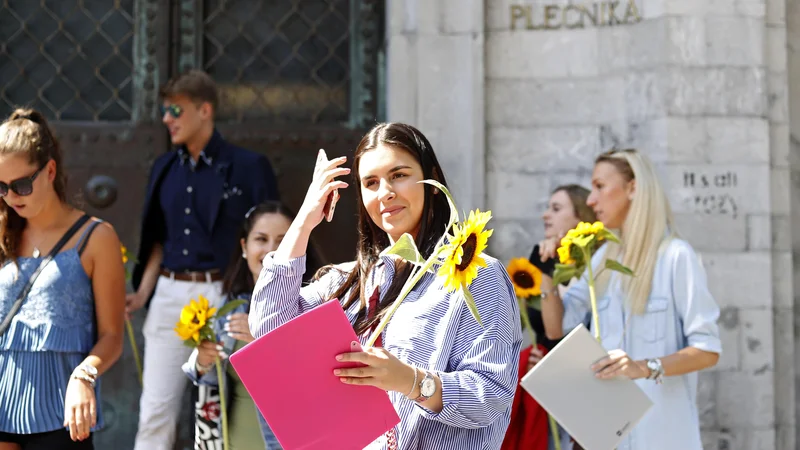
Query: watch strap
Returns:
{"type": "Point", "coordinates": [86, 378]}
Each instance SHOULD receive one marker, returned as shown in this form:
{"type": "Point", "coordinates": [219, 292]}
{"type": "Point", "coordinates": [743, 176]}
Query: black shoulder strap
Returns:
{"type": "Point", "coordinates": [59, 245]}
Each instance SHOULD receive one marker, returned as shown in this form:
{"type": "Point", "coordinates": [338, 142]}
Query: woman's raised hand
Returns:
{"type": "Point", "coordinates": [322, 186]}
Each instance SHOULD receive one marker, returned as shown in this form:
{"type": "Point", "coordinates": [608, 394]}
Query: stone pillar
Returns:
{"type": "Point", "coordinates": [435, 81]}
{"type": "Point", "coordinates": [791, 22]}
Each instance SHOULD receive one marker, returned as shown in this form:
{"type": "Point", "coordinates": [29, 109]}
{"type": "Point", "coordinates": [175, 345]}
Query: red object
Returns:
{"type": "Point", "coordinates": [528, 429]}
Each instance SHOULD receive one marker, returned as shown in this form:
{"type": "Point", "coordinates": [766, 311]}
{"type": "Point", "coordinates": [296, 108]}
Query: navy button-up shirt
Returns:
{"type": "Point", "coordinates": [185, 203]}
{"type": "Point", "coordinates": [195, 209]}
{"type": "Point", "coordinates": [186, 197]}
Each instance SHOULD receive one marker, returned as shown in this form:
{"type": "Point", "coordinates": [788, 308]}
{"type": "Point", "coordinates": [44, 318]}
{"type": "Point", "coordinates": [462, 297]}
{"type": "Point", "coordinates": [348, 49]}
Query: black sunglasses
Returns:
{"type": "Point", "coordinates": [174, 110]}
{"type": "Point", "coordinates": [22, 187]}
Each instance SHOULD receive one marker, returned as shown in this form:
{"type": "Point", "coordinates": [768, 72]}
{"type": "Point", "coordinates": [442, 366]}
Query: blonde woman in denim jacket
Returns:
{"type": "Point", "coordinates": [660, 327]}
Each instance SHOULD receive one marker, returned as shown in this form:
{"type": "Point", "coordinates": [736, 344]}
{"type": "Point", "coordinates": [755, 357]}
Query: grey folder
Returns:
{"type": "Point", "coordinates": [598, 414]}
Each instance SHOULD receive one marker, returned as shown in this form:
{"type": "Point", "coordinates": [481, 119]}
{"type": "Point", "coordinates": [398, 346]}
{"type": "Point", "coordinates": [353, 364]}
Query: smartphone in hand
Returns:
{"type": "Point", "coordinates": [330, 205]}
{"type": "Point", "coordinates": [333, 197]}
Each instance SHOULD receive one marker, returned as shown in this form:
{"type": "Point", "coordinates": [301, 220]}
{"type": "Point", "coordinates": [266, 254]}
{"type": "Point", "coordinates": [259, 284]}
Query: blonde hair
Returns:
{"type": "Point", "coordinates": [645, 229]}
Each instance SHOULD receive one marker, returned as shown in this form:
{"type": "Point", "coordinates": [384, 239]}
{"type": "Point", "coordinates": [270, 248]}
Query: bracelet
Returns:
{"type": "Point", "coordinates": [553, 292]}
{"type": "Point", "coordinates": [201, 368]}
{"type": "Point", "coordinates": [85, 378]}
{"type": "Point", "coordinates": [414, 385]}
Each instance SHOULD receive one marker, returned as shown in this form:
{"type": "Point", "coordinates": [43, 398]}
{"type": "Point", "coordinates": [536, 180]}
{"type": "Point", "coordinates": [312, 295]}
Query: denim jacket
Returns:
{"type": "Point", "coordinates": [210, 378]}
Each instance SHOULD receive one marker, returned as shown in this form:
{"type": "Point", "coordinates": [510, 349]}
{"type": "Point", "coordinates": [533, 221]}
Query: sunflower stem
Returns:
{"type": "Point", "coordinates": [554, 430]}
{"type": "Point", "coordinates": [523, 312]}
{"type": "Point", "coordinates": [407, 287]}
{"type": "Point", "coordinates": [592, 297]}
{"type": "Point", "coordinates": [135, 349]}
{"type": "Point", "coordinates": [222, 405]}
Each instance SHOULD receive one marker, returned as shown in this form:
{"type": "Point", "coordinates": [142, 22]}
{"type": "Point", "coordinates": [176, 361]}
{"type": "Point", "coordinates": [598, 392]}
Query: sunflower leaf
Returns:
{"type": "Point", "coordinates": [608, 235]}
{"type": "Point", "coordinates": [450, 200]}
{"type": "Point", "coordinates": [228, 307]}
{"type": "Point", "coordinates": [616, 266]}
{"type": "Point", "coordinates": [406, 249]}
{"type": "Point", "coordinates": [207, 334]}
{"type": "Point", "coordinates": [564, 273]}
{"type": "Point", "coordinates": [470, 301]}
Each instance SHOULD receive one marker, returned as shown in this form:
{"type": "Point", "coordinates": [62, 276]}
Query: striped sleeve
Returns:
{"type": "Point", "coordinates": [279, 296]}
{"type": "Point", "coordinates": [481, 388]}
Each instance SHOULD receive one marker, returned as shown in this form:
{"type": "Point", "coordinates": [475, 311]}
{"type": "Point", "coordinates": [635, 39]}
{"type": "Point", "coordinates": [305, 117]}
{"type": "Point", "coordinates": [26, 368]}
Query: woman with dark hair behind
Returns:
{"type": "Point", "coordinates": [529, 428]}
{"type": "Point", "coordinates": [60, 331]}
{"type": "Point", "coordinates": [262, 231]}
{"type": "Point", "coordinates": [450, 379]}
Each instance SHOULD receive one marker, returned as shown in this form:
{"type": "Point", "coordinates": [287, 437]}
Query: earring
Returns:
{"type": "Point", "coordinates": [244, 255]}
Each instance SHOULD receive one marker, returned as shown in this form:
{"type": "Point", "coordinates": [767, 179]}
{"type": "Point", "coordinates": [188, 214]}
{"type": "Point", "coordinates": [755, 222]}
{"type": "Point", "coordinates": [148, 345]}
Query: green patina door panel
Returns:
{"type": "Point", "coordinates": [295, 76]}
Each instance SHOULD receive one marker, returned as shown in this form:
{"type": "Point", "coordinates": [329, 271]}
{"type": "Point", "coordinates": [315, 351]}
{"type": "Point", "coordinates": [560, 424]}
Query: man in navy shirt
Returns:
{"type": "Point", "coordinates": [197, 197]}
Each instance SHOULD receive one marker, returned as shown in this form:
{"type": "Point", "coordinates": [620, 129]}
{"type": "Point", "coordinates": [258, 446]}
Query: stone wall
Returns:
{"type": "Point", "coordinates": [701, 86]}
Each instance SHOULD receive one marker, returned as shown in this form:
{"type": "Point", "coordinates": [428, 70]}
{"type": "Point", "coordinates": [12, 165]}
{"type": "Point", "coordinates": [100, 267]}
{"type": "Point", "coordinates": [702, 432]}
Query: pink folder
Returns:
{"type": "Point", "coordinates": [289, 374]}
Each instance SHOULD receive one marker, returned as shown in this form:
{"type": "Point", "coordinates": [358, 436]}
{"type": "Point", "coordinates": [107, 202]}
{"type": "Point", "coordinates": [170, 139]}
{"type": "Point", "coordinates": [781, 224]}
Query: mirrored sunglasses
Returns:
{"type": "Point", "coordinates": [174, 110]}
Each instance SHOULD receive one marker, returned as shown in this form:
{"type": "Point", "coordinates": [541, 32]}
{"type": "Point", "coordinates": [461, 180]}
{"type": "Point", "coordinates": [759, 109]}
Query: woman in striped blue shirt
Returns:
{"type": "Point", "coordinates": [451, 381]}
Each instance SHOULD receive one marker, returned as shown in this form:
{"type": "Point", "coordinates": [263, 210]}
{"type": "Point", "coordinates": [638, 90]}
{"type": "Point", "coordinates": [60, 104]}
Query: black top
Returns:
{"type": "Point", "coordinates": [535, 315]}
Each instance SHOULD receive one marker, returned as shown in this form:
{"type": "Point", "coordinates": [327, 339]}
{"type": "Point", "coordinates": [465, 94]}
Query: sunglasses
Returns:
{"type": "Point", "coordinates": [22, 187]}
{"type": "Point", "coordinates": [174, 110]}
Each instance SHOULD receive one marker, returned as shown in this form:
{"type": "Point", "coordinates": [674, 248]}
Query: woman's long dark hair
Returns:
{"type": "Point", "coordinates": [238, 279]}
{"type": "Point", "coordinates": [26, 132]}
{"type": "Point", "coordinates": [372, 239]}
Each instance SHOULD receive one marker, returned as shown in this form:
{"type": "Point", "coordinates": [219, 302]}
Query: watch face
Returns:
{"type": "Point", "coordinates": [428, 387]}
{"type": "Point", "coordinates": [89, 369]}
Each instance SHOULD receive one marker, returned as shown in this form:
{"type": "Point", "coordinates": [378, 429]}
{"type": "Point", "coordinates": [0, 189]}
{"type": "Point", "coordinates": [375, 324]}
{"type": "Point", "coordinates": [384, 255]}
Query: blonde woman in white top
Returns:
{"type": "Point", "coordinates": [660, 327]}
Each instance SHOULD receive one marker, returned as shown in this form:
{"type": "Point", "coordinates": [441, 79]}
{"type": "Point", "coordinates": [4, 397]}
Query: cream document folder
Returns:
{"type": "Point", "coordinates": [598, 414]}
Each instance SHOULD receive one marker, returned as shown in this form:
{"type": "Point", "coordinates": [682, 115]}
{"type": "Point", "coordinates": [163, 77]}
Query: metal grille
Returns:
{"type": "Point", "coordinates": [71, 59]}
{"type": "Point", "coordinates": [284, 61]}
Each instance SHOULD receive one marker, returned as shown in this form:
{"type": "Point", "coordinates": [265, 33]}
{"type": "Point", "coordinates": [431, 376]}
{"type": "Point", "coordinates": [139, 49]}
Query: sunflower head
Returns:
{"type": "Point", "coordinates": [525, 277]}
{"type": "Point", "coordinates": [461, 257]}
{"type": "Point", "coordinates": [578, 247]}
{"type": "Point", "coordinates": [194, 320]}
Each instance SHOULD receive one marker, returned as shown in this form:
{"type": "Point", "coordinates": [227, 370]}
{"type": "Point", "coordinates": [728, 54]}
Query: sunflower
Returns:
{"type": "Point", "coordinates": [462, 256]}
{"type": "Point", "coordinates": [526, 278]}
{"type": "Point", "coordinates": [194, 317]}
{"type": "Point", "coordinates": [188, 332]}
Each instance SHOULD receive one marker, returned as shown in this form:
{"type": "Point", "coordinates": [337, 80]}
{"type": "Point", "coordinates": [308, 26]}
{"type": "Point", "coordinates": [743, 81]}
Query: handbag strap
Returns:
{"type": "Point", "coordinates": [59, 245]}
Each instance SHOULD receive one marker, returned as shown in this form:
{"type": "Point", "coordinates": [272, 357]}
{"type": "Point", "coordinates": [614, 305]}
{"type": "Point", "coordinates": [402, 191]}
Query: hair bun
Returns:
{"type": "Point", "coordinates": [29, 114]}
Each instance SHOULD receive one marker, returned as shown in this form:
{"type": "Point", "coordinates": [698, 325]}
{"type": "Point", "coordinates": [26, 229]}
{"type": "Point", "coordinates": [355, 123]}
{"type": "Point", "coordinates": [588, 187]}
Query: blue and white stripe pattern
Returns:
{"type": "Point", "coordinates": [49, 337]}
{"type": "Point", "coordinates": [432, 329]}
